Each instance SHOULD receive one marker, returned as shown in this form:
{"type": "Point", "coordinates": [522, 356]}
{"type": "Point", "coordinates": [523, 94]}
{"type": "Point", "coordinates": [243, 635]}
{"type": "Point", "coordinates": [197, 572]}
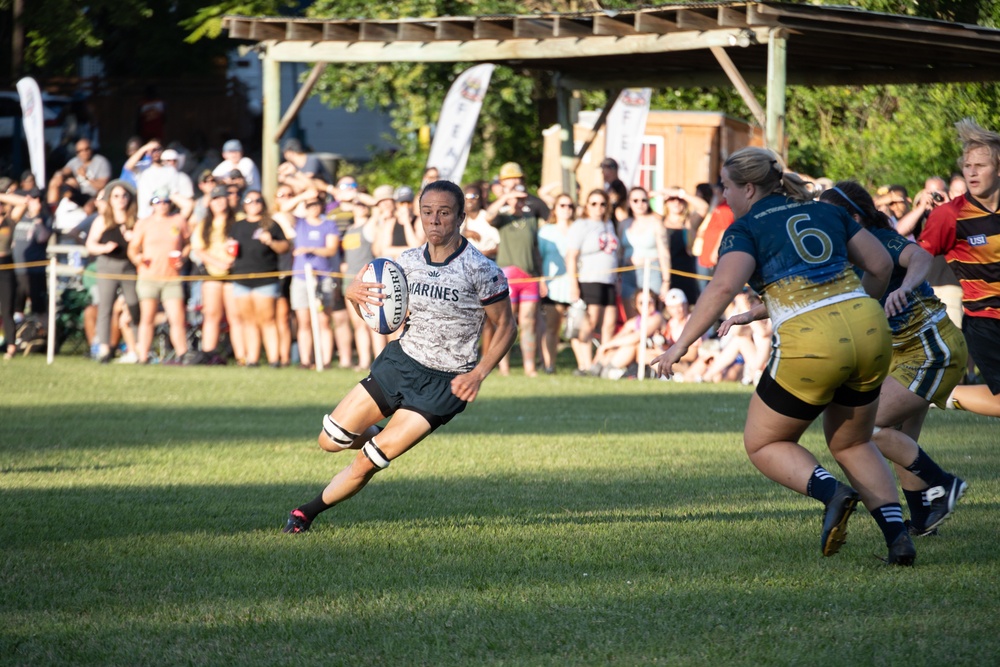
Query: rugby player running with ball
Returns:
{"type": "Point", "coordinates": [430, 374]}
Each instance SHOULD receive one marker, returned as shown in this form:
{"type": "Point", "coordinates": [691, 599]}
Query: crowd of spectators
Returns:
{"type": "Point", "coordinates": [196, 253]}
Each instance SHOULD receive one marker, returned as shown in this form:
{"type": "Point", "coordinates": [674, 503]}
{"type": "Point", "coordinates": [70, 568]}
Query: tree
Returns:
{"type": "Point", "coordinates": [864, 132]}
{"type": "Point", "coordinates": [138, 38]}
{"type": "Point", "coordinates": [892, 133]}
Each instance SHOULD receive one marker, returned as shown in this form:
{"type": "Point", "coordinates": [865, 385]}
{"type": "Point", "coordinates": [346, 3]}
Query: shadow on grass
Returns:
{"type": "Point", "coordinates": [64, 514]}
{"type": "Point", "coordinates": [459, 570]}
{"type": "Point", "coordinates": [77, 425]}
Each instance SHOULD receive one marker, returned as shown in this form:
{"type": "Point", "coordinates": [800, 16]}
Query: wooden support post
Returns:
{"type": "Point", "coordinates": [300, 98]}
{"type": "Point", "coordinates": [777, 68]}
{"type": "Point", "coordinates": [566, 162]}
{"type": "Point", "coordinates": [270, 150]}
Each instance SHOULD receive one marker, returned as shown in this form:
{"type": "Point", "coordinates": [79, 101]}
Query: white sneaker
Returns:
{"type": "Point", "coordinates": [128, 358]}
{"type": "Point", "coordinates": [612, 373]}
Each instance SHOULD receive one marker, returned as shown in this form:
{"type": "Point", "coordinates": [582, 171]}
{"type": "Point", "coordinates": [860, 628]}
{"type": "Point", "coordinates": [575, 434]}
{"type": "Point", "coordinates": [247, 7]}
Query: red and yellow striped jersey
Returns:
{"type": "Point", "coordinates": [968, 236]}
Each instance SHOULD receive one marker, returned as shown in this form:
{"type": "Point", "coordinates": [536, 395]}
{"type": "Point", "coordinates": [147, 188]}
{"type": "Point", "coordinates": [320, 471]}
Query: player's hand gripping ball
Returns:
{"type": "Point", "coordinates": [395, 296]}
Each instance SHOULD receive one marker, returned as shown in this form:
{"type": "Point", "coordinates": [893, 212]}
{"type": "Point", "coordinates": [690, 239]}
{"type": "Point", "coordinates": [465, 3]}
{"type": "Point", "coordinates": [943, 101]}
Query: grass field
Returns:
{"type": "Point", "coordinates": [559, 521]}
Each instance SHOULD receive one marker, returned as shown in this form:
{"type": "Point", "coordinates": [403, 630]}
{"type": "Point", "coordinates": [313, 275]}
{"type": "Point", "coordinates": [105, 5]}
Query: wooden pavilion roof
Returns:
{"type": "Point", "coordinates": [666, 45]}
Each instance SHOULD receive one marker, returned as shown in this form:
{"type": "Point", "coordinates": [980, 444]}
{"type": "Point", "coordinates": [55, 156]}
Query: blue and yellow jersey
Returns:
{"type": "Point", "coordinates": [801, 254]}
{"type": "Point", "coordinates": [923, 309]}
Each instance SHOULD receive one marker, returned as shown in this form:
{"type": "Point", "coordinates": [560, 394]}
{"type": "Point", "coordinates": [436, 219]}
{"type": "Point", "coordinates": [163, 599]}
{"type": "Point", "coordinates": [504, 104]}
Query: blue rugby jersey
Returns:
{"type": "Point", "coordinates": [801, 254]}
{"type": "Point", "coordinates": [923, 309]}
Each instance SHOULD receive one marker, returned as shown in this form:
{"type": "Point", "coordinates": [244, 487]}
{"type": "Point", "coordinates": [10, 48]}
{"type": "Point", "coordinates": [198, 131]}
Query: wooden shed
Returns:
{"type": "Point", "coordinates": [679, 148]}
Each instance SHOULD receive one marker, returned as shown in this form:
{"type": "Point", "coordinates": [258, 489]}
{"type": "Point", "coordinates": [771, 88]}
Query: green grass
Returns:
{"type": "Point", "coordinates": [559, 521]}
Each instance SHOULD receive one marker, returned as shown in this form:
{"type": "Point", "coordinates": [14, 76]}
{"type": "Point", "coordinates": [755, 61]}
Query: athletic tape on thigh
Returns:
{"type": "Point", "coordinates": [341, 436]}
{"type": "Point", "coordinates": [375, 455]}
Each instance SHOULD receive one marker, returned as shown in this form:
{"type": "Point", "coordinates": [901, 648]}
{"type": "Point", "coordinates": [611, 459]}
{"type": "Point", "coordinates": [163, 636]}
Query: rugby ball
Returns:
{"type": "Point", "coordinates": [395, 296]}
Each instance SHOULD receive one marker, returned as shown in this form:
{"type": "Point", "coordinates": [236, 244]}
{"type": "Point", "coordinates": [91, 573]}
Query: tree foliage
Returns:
{"type": "Point", "coordinates": [877, 134]}
{"type": "Point", "coordinates": [412, 93]}
{"type": "Point", "coordinates": [133, 38]}
{"type": "Point", "coordinates": [891, 133]}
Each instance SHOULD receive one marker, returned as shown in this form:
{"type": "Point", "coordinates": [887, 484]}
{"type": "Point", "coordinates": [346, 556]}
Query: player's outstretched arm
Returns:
{"type": "Point", "coordinates": [734, 269]}
{"type": "Point", "coordinates": [500, 314]}
{"type": "Point", "coordinates": [758, 312]}
{"type": "Point", "coordinates": [917, 263]}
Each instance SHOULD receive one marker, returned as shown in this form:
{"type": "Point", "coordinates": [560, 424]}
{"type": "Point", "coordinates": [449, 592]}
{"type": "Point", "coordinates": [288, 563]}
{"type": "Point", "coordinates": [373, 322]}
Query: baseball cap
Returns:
{"type": "Point", "coordinates": [676, 296]}
{"type": "Point", "coordinates": [219, 191]}
{"type": "Point", "coordinates": [159, 195]}
{"type": "Point", "coordinates": [404, 193]}
{"type": "Point", "coordinates": [382, 193]}
{"type": "Point", "coordinates": [232, 146]}
{"type": "Point", "coordinates": [293, 145]}
{"type": "Point", "coordinates": [609, 163]}
{"type": "Point", "coordinates": [169, 154]}
{"type": "Point", "coordinates": [511, 170]}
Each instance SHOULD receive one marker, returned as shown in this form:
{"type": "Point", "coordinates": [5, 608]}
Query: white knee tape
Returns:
{"type": "Point", "coordinates": [375, 455]}
{"type": "Point", "coordinates": [337, 433]}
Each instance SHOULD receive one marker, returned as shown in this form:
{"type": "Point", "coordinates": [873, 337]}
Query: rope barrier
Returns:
{"type": "Point", "coordinates": [282, 274]}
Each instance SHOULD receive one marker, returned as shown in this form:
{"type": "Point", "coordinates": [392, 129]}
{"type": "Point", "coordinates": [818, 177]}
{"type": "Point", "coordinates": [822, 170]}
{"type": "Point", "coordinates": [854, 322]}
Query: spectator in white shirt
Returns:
{"type": "Point", "coordinates": [234, 159]}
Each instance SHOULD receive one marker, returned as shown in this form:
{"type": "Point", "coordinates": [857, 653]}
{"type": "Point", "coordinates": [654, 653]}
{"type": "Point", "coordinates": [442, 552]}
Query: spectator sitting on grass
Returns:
{"type": "Point", "coordinates": [622, 350]}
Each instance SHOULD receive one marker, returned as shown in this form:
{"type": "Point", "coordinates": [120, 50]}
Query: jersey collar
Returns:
{"type": "Point", "coordinates": [461, 247]}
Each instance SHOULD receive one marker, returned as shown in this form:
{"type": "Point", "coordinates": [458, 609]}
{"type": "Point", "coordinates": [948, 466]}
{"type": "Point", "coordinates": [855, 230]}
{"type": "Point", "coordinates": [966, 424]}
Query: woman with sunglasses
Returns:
{"type": "Point", "coordinates": [212, 246]}
{"type": "Point", "coordinates": [259, 241]}
{"type": "Point", "coordinates": [591, 261]}
{"type": "Point", "coordinates": [108, 241]}
{"type": "Point", "coordinates": [644, 238]}
{"type": "Point", "coordinates": [158, 249]}
{"type": "Point", "coordinates": [553, 243]}
{"type": "Point", "coordinates": [317, 243]}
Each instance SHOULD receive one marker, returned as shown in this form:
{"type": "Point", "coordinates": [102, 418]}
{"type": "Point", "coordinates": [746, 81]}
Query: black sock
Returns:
{"type": "Point", "coordinates": [313, 508]}
{"type": "Point", "coordinates": [822, 485]}
{"type": "Point", "coordinates": [889, 518]}
{"type": "Point", "coordinates": [924, 467]}
{"type": "Point", "coordinates": [915, 501]}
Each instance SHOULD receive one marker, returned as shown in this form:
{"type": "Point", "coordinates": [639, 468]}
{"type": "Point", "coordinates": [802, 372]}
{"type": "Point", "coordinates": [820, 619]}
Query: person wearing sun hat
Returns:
{"type": "Point", "coordinates": [517, 215]}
